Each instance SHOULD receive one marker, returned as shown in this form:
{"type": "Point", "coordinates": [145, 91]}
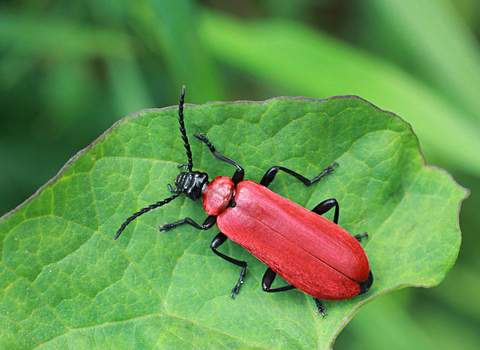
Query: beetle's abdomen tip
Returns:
{"type": "Point", "coordinates": [365, 286]}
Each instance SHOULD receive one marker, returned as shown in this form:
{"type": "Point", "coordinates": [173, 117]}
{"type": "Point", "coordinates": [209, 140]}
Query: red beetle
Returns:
{"type": "Point", "coordinates": [310, 252]}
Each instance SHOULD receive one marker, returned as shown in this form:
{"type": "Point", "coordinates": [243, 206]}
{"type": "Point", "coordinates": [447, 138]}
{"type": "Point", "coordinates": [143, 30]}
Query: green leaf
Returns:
{"type": "Point", "coordinates": [66, 283]}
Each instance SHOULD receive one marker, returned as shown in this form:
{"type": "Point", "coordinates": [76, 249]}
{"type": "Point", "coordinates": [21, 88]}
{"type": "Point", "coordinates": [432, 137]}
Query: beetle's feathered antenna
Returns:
{"type": "Point", "coordinates": [145, 210]}
{"type": "Point", "coordinates": [189, 166]}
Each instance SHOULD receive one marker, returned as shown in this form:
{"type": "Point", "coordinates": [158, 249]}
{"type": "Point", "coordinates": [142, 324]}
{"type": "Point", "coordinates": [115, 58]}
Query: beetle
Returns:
{"type": "Point", "coordinates": [309, 251]}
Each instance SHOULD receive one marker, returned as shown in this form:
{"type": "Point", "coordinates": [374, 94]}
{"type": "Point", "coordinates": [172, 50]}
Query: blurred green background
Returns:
{"type": "Point", "coordinates": [70, 69]}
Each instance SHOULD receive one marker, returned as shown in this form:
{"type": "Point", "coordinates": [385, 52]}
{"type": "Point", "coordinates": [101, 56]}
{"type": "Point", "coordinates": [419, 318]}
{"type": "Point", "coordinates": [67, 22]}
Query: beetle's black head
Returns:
{"type": "Point", "coordinates": [191, 183]}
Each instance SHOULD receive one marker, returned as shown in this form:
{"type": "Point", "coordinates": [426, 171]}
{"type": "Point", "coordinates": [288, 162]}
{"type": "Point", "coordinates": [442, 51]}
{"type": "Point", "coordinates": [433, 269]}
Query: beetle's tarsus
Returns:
{"type": "Point", "coordinates": [164, 228]}
{"type": "Point", "coordinates": [201, 137]}
{"type": "Point", "coordinates": [236, 289]}
{"type": "Point", "coordinates": [359, 237]}
{"type": "Point", "coordinates": [320, 308]}
{"type": "Point", "coordinates": [325, 172]}
{"type": "Point", "coordinates": [322, 312]}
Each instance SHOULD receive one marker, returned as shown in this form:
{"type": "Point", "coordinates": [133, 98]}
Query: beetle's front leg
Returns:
{"type": "Point", "coordinates": [208, 223]}
{"type": "Point", "coordinates": [217, 242]}
{"type": "Point", "coordinates": [239, 173]}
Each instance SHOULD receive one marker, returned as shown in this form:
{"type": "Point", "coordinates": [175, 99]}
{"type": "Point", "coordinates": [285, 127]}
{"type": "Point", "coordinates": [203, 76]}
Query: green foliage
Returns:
{"type": "Point", "coordinates": [69, 69]}
{"type": "Point", "coordinates": [328, 67]}
{"type": "Point", "coordinates": [65, 282]}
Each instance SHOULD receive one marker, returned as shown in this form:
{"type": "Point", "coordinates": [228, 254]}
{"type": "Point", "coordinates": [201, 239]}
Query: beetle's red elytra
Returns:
{"type": "Point", "coordinates": [310, 252]}
{"type": "Point", "coordinates": [285, 236]}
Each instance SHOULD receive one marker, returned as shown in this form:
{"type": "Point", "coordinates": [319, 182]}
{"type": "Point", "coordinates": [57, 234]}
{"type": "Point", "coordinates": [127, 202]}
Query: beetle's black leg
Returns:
{"type": "Point", "coordinates": [328, 204]}
{"type": "Point", "coordinates": [272, 172]}
{"type": "Point", "coordinates": [239, 173]}
{"type": "Point", "coordinates": [217, 242]}
{"type": "Point", "coordinates": [268, 279]}
{"type": "Point", "coordinates": [320, 307]}
{"type": "Point", "coordinates": [208, 223]}
{"type": "Point", "coordinates": [359, 237]}
{"type": "Point", "coordinates": [325, 206]}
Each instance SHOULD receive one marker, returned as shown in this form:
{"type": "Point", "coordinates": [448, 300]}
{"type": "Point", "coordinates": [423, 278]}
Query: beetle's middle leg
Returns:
{"type": "Point", "coordinates": [217, 242]}
{"type": "Point", "coordinates": [272, 172]}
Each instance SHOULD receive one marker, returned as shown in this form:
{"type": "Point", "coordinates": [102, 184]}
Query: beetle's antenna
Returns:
{"type": "Point", "coordinates": [189, 166]}
{"type": "Point", "coordinates": [145, 210]}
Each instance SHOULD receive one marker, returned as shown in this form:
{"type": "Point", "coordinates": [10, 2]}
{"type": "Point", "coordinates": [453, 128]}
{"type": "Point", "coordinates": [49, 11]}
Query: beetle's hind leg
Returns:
{"type": "Point", "coordinates": [217, 242]}
{"type": "Point", "coordinates": [267, 282]}
{"type": "Point", "coordinates": [320, 307]}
